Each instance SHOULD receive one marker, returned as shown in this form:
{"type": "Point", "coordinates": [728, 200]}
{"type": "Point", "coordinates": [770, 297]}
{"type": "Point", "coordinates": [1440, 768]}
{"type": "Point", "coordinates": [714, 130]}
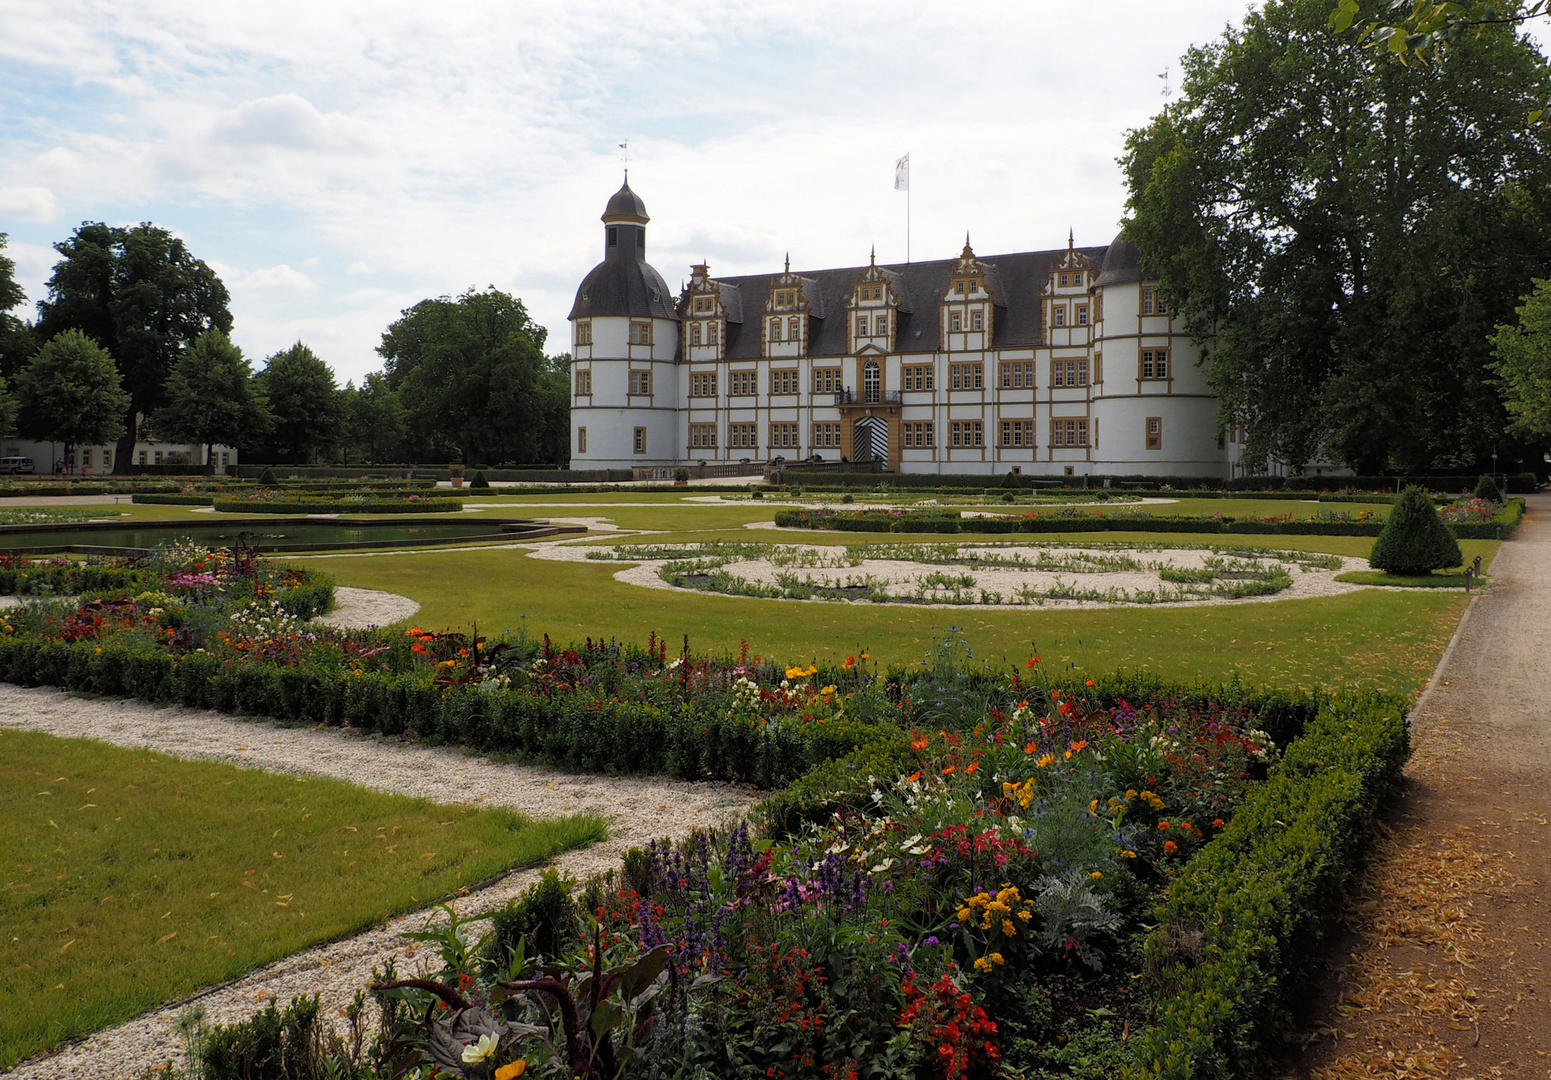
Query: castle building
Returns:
{"type": "Point", "coordinates": [1059, 362]}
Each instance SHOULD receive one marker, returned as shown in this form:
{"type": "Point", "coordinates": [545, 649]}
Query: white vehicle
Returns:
{"type": "Point", "coordinates": [16, 465]}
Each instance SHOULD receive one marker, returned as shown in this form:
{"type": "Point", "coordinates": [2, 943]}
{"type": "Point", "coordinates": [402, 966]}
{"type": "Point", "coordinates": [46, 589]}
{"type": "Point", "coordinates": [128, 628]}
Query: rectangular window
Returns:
{"type": "Point", "coordinates": [880, 325]}
{"type": "Point", "coordinates": [861, 326]}
{"type": "Point", "coordinates": [640, 333]}
{"type": "Point", "coordinates": [783, 381]}
{"type": "Point", "coordinates": [226, 459]}
{"type": "Point", "coordinates": [584, 332]}
{"type": "Point", "coordinates": [783, 436]}
{"type": "Point", "coordinates": [917, 377]}
{"type": "Point", "coordinates": [1155, 433]}
{"type": "Point", "coordinates": [1068, 373]}
{"type": "Point", "coordinates": [1151, 303]}
{"type": "Point", "coordinates": [775, 329]}
{"type": "Point", "coordinates": [1155, 364]}
{"type": "Point", "coordinates": [966, 433]}
{"type": "Point", "coordinates": [583, 381]}
{"type": "Point", "coordinates": [158, 460]}
{"type": "Point", "coordinates": [917, 434]}
{"type": "Point", "coordinates": [713, 330]}
{"type": "Point", "coordinates": [142, 457]}
{"type": "Point", "coordinates": [581, 440]}
{"type": "Point", "coordinates": [641, 382]}
{"type": "Point", "coordinates": [1082, 314]}
{"type": "Point", "coordinates": [741, 384]}
{"type": "Point", "coordinates": [957, 322]}
{"type": "Point", "coordinates": [702, 436]}
{"type": "Point", "coordinates": [742, 436]}
{"type": "Point", "coordinates": [1063, 279]}
{"type": "Point", "coordinates": [976, 321]}
{"type": "Point", "coordinates": [966, 376]}
{"type": "Point", "coordinates": [1018, 375]}
{"type": "Point", "coordinates": [639, 442]}
{"type": "Point", "coordinates": [1069, 431]}
{"type": "Point", "coordinates": [1058, 316]}
{"type": "Point", "coordinates": [702, 384]}
{"type": "Point", "coordinates": [1017, 433]}
{"type": "Point", "coordinates": [826, 436]}
{"type": "Point", "coordinates": [826, 380]}
{"type": "Point", "coordinates": [793, 329]}
{"type": "Point", "coordinates": [694, 334]}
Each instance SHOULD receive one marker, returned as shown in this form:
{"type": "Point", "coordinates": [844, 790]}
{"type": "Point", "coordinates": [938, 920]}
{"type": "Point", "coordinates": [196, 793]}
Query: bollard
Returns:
{"type": "Point", "coordinates": [1469, 575]}
{"type": "Point", "coordinates": [1478, 566]}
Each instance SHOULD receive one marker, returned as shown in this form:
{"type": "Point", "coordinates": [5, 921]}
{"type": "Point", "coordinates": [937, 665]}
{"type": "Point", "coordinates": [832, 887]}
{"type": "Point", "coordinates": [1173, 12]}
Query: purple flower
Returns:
{"type": "Point", "coordinates": [931, 941]}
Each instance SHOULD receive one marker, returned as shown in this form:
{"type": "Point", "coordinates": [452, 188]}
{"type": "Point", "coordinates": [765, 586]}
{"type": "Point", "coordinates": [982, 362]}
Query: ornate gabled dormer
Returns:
{"type": "Point", "coordinates": [705, 316]}
{"type": "Point", "coordinates": [968, 307]}
{"type": "Point", "coordinates": [872, 309]}
{"type": "Point", "coordinates": [1069, 308]}
{"type": "Point", "coordinates": [792, 302]}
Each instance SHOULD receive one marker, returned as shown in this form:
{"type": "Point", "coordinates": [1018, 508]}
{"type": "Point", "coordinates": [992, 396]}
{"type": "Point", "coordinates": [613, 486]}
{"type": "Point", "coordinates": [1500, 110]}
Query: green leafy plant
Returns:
{"type": "Point", "coordinates": [1414, 540]}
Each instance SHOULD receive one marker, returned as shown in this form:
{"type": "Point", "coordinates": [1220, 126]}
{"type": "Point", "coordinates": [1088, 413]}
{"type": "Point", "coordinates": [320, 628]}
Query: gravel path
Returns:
{"type": "Point", "coordinates": [361, 609]}
{"type": "Point", "coordinates": [1446, 966]}
{"type": "Point", "coordinates": [638, 809]}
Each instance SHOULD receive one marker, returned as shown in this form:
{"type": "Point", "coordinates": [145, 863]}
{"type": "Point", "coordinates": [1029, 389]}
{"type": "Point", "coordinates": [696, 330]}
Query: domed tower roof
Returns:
{"type": "Point", "coordinates": [624, 283]}
{"type": "Point", "coordinates": [1122, 263]}
{"type": "Point", "coordinates": [626, 205]}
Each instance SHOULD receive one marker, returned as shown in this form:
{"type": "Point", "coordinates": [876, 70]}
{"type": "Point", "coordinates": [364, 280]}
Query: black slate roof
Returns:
{"type": "Point", "coordinates": [1015, 282]}
{"type": "Point", "coordinates": [1122, 264]}
{"type": "Point", "coordinates": [623, 287]}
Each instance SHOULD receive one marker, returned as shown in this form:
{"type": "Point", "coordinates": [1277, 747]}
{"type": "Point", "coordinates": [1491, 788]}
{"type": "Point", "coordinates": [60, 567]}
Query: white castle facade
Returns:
{"type": "Point", "coordinates": [1058, 362]}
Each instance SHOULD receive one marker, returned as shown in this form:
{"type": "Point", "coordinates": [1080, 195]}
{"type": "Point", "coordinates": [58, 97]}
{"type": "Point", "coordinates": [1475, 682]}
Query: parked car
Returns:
{"type": "Point", "coordinates": [16, 465]}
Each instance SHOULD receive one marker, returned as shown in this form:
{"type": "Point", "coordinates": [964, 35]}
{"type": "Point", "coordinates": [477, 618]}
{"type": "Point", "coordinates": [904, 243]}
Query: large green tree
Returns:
{"type": "Point", "coordinates": [473, 378]}
{"type": "Point", "coordinates": [1524, 364]}
{"type": "Point", "coordinates": [306, 415]}
{"type": "Point", "coordinates": [70, 392]}
{"type": "Point", "coordinates": [143, 297]}
{"type": "Point", "coordinates": [212, 397]}
{"type": "Point", "coordinates": [375, 419]}
{"type": "Point", "coordinates": [17, 341]}
{"type": "Point", "coordinates": [1342, 232]}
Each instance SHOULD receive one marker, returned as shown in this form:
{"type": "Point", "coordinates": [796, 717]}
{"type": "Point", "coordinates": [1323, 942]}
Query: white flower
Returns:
{"type": "Point", "coordinates": [474, 1053]}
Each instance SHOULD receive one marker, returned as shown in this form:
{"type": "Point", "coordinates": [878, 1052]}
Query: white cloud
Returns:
{"type": "Point", "coordinates": [280, 278]}
{"type": "Point", "coordinates": [30, 203]}
{"type": "Point", "coordinates": [359, 267]}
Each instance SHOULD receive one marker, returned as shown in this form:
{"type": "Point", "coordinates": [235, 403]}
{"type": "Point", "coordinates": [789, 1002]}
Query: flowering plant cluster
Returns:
{"type": "Point", "coordinates": [1469, 510]}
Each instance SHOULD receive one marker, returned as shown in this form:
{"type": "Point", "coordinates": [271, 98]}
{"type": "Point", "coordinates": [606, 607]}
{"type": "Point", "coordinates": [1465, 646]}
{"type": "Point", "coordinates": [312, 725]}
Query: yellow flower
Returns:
{"type": "Point", "coordinates": [828, 690]}
{"type": "Point", "coordinates": [996, 958]}
{"type": "Point", "coordinates": [982, 964]}
{"type": "Point", "coordinates": [1025, 914]}
{"type": "Point", "coordinates": [512, 1071]}
{"type": "Point", "coordinates": [1096, 875]}
{"type": "Point", "coordinates": [795, 673]}
{"type": "Point", "coordinates": [1008, 928]}
{"type": "Point", "coordinates": [1046, 760]}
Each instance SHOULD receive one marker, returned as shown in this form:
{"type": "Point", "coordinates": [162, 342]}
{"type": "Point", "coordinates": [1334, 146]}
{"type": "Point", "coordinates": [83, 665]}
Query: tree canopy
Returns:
{"type": "Point", "coordinates": [17, 342]}
{"type": "Point", "coordinates": [211, 397]}
{"type": "Point", "coordinates": [1343, 232]}
{"type": "Point", "coordinates": [142, 296]}
{"type": "Point", "coordinates": [70, 392]}
{"type": "Point", "coordinates": [375, 419]}
{"type": "Point", "coordinates": [1524, 363]}
{"type": "Point", "coordinates": [473, 378]}
{"type": "Point", "coordinates": [306, 414]}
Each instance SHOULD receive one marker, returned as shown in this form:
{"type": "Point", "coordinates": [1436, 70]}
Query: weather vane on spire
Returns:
{"type": "Point", "coordinates": [624, 156]}
{"type": "Point", "coordinates": [1164, 75]}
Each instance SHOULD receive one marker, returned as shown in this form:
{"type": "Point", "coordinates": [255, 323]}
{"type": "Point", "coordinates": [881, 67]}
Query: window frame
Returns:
{"type": "Point", "coordinates": [638, 441]}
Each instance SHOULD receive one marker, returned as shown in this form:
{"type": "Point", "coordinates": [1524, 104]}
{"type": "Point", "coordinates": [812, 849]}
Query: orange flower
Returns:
{"type": "Point", "coordinates": [949, 769]}
{"type": "Point", "coordinates": [972, 768]}
{"type": "Point", "coordinates": [512, 1071]}
{"type": "Point", "coordinates": [850, 663]}
{"type": "Point", "coordinates": [1163, 825]}
{"type": "Point", "coordinates": [1080, 744]}
{"type": "Point", "coordinates": [1217, 823]}
{"type": "Point", "coordinates": [913, 777]}
{"type": "Point", "coordinates": [1170, 847]}
{"type": "Point", "coordinates": [1055, 695]}
{"type": "Point", "coordinates": [1029, 749]}
{"type": "Point", "coordinates": [919, 744]}
{"type": "Point", "coordinates": [1090, 682]}
{"type": "Point", "coordinates": [1031, 661]}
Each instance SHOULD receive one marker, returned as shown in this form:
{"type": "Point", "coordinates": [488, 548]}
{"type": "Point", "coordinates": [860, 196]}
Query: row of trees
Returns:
{"type": "Point", "coordinates": [132, 341]}
{"type": "Point", "coordinates": [1346, 213]}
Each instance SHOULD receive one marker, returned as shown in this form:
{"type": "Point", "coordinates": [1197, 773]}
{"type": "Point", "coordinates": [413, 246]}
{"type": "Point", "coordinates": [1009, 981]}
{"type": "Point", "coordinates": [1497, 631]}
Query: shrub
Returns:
{"type": "Point", "coordinates": [267, 478]}
{"type": "Point", "coordinates": [1486, 488]}
{"type": "Point", "coordinates": [271, 1045]}
{"type": "Point", "coordinates": [479, 480]}
{"type": "Point", "coordinates": [848, 498]}
{"type": "Point", "coordinates": [1414, 540]}
{"type": "Point", "coordinates": [543, 918]}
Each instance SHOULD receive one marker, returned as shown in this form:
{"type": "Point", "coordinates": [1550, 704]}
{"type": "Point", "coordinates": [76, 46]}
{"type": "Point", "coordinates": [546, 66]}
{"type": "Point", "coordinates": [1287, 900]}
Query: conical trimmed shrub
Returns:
{"type": "Point", "coordinates": [1414, 540]}
{"type": "Point", "coordinates": [479, 480]}
{"type": "Point", "coordinates": [268, 478]}
{"type": "Point", "coordinates": [1486, 488]}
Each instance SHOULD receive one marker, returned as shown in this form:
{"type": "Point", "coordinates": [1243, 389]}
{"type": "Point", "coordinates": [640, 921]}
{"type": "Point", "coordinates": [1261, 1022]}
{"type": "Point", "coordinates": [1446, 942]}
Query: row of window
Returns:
{"type": "Point", "coordinates": [1065, 432]}
{"type": "Point", "coordinates": [877, 326]}
{"type": "Point", "coordinates": [1154, 364]}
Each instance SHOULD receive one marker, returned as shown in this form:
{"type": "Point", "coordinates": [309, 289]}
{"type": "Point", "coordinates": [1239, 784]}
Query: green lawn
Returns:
{"type": "Point", "coordinates": [1374, 638]}
{"type": "Point", "coordinates": [134, 878]}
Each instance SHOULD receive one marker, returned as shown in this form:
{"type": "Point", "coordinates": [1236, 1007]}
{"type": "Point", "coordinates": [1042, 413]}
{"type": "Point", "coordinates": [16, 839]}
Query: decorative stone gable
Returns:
{"type": "Point", "coordinates": [793, 300]}
{"type": "Point", "coordinates": [969, 306]}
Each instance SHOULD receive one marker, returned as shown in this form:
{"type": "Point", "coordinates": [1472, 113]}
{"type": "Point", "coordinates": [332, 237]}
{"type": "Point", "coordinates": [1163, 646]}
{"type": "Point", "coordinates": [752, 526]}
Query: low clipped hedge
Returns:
{"type": "Point", "coordinates": [1238, 931]}
{"type": "Point", "coordinates": [70, 580]}
{"type": "Point", "coordinates": [1497, 529]}
{"type": "Point", "coordinates": [158, 499]}
{"type": "Point", "coordinates": [337, 506]}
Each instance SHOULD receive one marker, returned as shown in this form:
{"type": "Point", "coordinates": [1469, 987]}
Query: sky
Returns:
{"type": "Point", "coordinates": [338, 162]}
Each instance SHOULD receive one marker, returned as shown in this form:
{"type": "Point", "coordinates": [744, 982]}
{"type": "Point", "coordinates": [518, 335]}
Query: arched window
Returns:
{"type": "Point", "coordinates": [872, 382]}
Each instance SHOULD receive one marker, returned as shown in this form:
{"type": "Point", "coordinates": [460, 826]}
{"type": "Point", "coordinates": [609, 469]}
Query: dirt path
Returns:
{"type": "Point", "coordinates": [1446, 951]}
{"type": "Point", "coordinates": [639, 809]}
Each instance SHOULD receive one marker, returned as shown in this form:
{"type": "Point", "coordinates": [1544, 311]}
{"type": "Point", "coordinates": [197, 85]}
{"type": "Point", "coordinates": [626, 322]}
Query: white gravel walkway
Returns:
{"type": "Point", "coordinates": [638, 809]}
{"type": "Point", "coordinates": [361, 609]}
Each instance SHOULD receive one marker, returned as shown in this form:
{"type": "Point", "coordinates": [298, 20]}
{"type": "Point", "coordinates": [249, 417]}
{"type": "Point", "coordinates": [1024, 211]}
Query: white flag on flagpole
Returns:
{"type": "Point", "coordinates": [902, 174]}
